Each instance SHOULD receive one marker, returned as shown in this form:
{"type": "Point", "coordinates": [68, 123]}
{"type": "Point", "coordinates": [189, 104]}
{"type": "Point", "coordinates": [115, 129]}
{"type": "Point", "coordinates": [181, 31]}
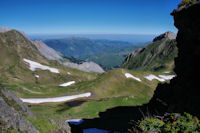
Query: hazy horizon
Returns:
{"type": "Point", "coordinates": [89, 16]}
{"type": "Point", "coordinates": [133, 38]}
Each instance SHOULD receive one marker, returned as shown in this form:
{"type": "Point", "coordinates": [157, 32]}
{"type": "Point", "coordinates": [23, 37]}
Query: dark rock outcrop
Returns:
{"type": "Point", "coordinates": [133, 54]}
{"type": "Point", "coordinates": [182, 94]}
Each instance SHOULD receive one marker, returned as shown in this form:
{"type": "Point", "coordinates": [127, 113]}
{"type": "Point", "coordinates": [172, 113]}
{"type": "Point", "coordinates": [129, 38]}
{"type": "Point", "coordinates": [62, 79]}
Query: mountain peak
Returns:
{"type": "Point", "coordinates": [170, 35]}
{"type": "Point", "coordinates": [4, 29]}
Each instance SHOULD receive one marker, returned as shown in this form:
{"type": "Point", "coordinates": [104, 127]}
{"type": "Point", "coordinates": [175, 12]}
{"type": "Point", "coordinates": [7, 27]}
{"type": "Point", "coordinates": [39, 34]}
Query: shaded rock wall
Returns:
{"type": "Point", "coordinates": [183, 92]}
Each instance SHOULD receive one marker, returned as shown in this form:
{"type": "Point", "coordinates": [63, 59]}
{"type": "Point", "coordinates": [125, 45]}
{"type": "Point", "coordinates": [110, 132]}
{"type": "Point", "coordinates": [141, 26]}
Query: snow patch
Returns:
{"type": "Point", "coordinates": [167, 72]}
{"type": "Point", "coordinates": [128, 75]}
{"type": "Point", "coordinates": [167, 77]}
{"type": "Point", "coordinates": [161, 78]}
{"type": "Point", "coordinates": [69, 73]}
{"type": "Point", "coordinates": [67, 84]}
{"type": "Point", "coordinates": [151, 77]}
{"type": "Point", "coordinates": [37, 76]}
{"type": "Point", "coordinates": [75, 121]}
{"type": "Point", "coordinates": [55, 99]}
{"type": "Point", "coordinates": [34, 65]}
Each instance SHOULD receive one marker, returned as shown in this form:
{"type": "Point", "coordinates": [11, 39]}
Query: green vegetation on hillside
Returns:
{"type": "Point", "coordinates": [157, 56]}
{"type": "Point", "coordinates": [109, 90]}
{"type": "Point", "coordinates": [173, 123]}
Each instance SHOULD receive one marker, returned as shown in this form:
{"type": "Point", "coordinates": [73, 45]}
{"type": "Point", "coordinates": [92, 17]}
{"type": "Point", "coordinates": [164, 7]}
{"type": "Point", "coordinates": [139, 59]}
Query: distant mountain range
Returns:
{"type": "Point", "coordinates": [70, 62]}
{"type": "Point", "coordinates": [133, 38]}
{"type": "Point", "coordinates": [108, 54]}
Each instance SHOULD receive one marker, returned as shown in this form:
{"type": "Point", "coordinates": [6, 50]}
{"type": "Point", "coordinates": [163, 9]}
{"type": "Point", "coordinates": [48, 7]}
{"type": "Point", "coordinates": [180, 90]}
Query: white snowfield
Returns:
{"type": "Point", "coordinates": [128, 75]}
{"type": "Point", "coordinates": [167, 77]}
{"type": "Point", "coordinates": [151, 77]}
{"type": "Point", "coordinates": [161, 78]}
{"type": "Point", "coordinates": [37, 76]}
{"type": "Point", "coordinates": [67, 84]}
{"type": "Point", "coordinates": [55, 99]}
{"type": "Point", "coordinates": [75, 121]}
{"type": "Point", "coordinates": [34, 65]}
{"type": "Point", "coordinates": [167, 72]}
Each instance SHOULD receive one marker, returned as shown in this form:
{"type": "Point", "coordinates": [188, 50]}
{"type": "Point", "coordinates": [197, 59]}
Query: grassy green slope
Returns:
{"type": "Point", "coordinates": [109, 90]}
{"type": "Point", "coordinates": [157, 56]}
{"type": "Point", "coordinates": [15, 73]}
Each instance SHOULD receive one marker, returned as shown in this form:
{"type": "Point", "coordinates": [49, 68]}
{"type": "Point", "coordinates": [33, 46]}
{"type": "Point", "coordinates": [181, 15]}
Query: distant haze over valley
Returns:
{"type": "Point", "coordinates": [133, 38]}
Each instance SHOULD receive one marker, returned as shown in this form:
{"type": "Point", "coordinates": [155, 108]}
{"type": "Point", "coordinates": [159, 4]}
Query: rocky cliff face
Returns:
{"type": "Point", "coordinates": [12, 114]}
{"type": "Point", "coordinates": [51, 54]}
{"type": "Point", "coordinates": [182, 94]}
{"type": "Point", "coordinates": [156, 56]}
{"type": "Point", "coordinates": [85, 66]}
{"type": "Point", "coordinates": [46, 51]}
{"type": "Point", "coordinates": [170, 35]}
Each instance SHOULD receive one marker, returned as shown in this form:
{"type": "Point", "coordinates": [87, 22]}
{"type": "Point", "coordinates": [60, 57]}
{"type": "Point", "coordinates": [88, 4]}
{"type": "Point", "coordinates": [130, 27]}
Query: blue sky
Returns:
{"type": "Point", "coordinates": [88, 16]}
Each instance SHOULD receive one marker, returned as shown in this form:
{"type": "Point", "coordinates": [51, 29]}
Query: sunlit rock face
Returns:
{"type": "Point", "coordinates": [46, 51]}
{"type": "Point", "coordinates": [170, 35]}
{"type": "Point", "coordinates": [182, 94]}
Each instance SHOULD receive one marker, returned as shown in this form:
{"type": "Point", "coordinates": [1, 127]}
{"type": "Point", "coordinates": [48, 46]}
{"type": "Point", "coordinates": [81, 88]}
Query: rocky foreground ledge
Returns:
{"type": "Point", "coordinates": [14, 114]}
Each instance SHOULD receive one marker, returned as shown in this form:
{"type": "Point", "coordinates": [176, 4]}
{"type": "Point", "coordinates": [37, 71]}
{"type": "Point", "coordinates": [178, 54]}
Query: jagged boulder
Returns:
{"type": "Point", "coordinates": [12, 118]}
{"type": "Point", "coordinates": [12, 97]}
{"type": "Point", "coordinates": [133, 54]}
{"type": "Point", "coordinates": [13, 113]}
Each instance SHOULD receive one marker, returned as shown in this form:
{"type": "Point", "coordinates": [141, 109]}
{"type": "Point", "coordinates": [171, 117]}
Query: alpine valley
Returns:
{"type": "Point", "coordinates": [80, 85]}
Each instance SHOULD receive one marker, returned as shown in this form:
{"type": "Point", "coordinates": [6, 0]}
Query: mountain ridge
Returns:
{"type": "Point", "coordinates": [70, 62]}
{"type": "Point", "coordinates": [155, 56]}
